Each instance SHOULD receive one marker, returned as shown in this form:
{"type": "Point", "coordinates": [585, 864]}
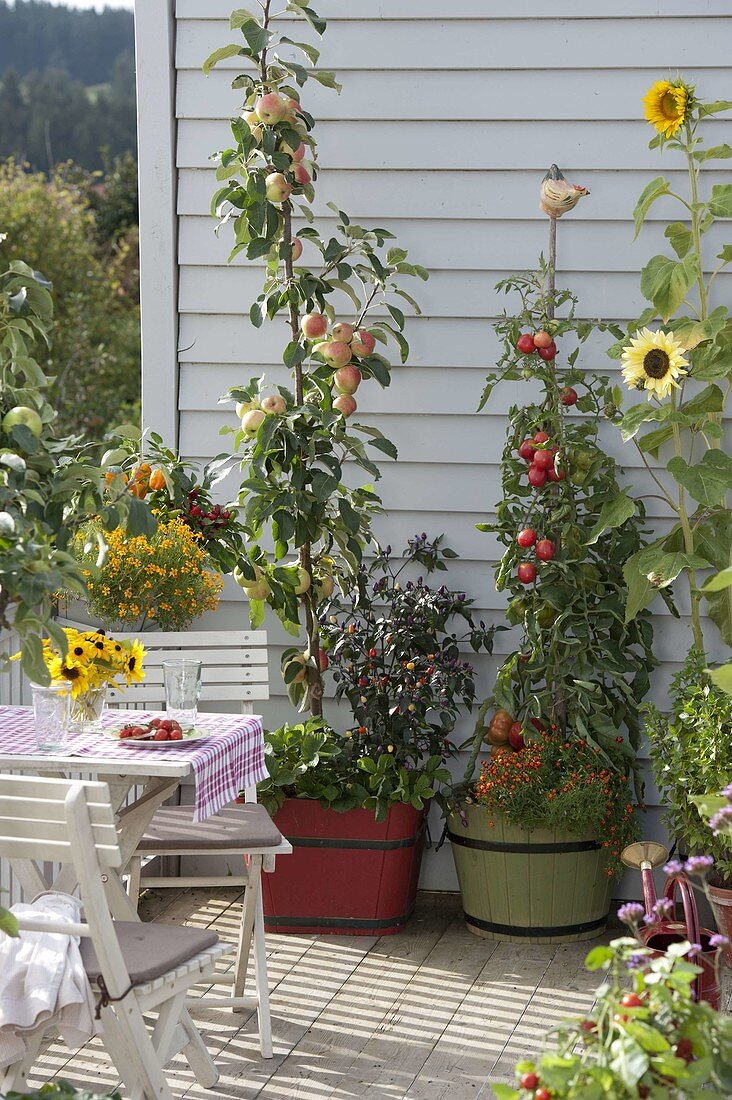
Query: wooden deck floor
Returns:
{"type": "Point", "coordinates": [425, 1015]}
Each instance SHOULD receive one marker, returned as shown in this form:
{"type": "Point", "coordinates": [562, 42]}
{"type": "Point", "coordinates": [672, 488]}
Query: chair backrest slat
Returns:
{"type": "Point", "coordinates": [33, 820]}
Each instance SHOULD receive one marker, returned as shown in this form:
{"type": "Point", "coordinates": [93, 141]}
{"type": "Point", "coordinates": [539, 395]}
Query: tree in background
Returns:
{"type": "Point", "coordinates": [81, 236]}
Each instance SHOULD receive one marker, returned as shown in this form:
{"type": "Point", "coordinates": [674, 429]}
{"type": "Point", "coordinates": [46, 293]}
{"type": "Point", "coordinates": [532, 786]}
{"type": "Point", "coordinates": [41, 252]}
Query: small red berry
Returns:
{"type": "Point", "coordinates": [526, 450]}
{"type": "Point", "coordinates": [526, 572]}
{"type": "Point", "coordinates": [537, 476]}
{"type": "Point", "coordinates": [529, 1081]}
{"type": "Point", "coordinates": [545, 549]}
{"type": "Point", "coordinates": [542, 1094]}
{"type": "Point", "coordinates": [631, 1000]}
{"type": "Point", "coordinates": [569, 396]}
{"type": "Point", "coordinates": [525, 344]}
{"type": "Point", "coordinates": [526, 538]}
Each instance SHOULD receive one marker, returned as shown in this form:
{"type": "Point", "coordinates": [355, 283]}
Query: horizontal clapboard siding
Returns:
{"type": "Point", "coordinates": [450, 114]}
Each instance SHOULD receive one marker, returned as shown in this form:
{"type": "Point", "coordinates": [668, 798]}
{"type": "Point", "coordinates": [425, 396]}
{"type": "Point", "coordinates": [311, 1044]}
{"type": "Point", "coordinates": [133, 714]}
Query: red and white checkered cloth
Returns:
{"type": "Point", "coordinates": [222, 765]}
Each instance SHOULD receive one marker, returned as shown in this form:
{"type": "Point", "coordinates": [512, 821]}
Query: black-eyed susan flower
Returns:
{"type": "Point", "coordinates": [653, 361]}
{"type": "Point", "coordinates": [668, 105]}
{"type": "Point", "coordinates": [133, 662]}
{"type": "Point", "coordinates": [72, 671]}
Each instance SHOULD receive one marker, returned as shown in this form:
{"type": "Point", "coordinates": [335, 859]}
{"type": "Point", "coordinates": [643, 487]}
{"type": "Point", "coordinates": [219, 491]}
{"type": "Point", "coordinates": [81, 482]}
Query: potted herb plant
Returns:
{"type": "Point", "coordinates": [682, 370]}
{"type": "Point", "coordinates": [553, 805]}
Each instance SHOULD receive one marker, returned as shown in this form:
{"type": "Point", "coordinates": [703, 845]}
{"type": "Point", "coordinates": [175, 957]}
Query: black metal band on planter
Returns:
{"type": "Point", "coordinates": [361, 845]}
{"type": "Point", "coordinates": [525, 849]}
{"type": "Point", "coordinates": [272, 922]}
{"type": "Point", "coordinates": [541, 932]}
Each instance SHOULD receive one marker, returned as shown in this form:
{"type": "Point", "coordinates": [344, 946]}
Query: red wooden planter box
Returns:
{"type": "Point", "coordinates": [348, 874]}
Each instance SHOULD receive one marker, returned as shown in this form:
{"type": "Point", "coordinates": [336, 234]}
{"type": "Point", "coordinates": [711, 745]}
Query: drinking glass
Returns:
{"type": "Point", "coordinates": [52, 713]}
{"type": "Point", "coordinates": [182, 681]}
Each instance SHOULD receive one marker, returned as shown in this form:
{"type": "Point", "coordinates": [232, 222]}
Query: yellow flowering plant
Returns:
{"type": "Point", "coordinates": [678, 353]}
{"type": "Point", "coordinates": [162, 580]}
{"type": "Point", "coordinates": [93, 660]}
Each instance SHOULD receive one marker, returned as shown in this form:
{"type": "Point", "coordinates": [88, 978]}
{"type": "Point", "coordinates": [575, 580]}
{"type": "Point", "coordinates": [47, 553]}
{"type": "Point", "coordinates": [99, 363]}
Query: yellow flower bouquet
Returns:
{"type": "Point", "coordinates": [93, 661]}
{"type": "Point", "coordinates": [164, 579]}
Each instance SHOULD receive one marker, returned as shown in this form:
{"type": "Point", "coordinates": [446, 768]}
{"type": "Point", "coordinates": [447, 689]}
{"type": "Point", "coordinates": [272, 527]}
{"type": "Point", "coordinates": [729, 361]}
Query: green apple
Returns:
{"type": "Point", "coordinates": [21, 414]}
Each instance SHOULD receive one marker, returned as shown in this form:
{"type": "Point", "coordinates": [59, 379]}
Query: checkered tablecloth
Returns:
{"type": "Point", "coordinates": [222, 765]}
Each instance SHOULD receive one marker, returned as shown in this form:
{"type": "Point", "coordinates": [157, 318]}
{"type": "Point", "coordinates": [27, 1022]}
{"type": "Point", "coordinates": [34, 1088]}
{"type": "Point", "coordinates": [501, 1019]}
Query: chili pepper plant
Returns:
{"type": "Point", "coordinates": [338, 295]}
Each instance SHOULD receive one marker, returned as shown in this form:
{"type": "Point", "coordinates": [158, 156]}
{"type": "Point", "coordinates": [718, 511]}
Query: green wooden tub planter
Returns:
{"type": "Point", "coordinates": [544, 886]}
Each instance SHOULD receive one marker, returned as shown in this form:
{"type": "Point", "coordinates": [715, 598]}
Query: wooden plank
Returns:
{"type": "Point", "coordinates": [495, 194]}
{"type": "Point", "coordinates": [154, 35]}
{"type": "Point", "coordinates": [370, 146]}
{"type": "Point", "coordinates": [490, 44]}
{"type": "Point", "coordinates": [502, 94]}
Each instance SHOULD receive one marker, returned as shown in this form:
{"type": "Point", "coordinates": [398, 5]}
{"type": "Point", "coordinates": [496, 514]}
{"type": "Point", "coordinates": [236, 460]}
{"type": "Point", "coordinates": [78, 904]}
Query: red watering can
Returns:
{"type": "Point", "coordinates": [644, 856]}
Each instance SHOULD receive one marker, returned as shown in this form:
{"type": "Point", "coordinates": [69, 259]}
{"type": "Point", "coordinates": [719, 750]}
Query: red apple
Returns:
{"type": "Point", "coordinates": [342, 331]}
{"type": "Point", "coordinates": [336, 353]}
{"type": "Point", "coordinates": [270, 108]}
{"type": "Point", "coordinates": [314, 325]}
{"type": "Point", "coordinates": [296, 249]}
{"type": "Point", "coordinates": [363, 343]}
{"type": "Point", "coordinates": [347, 379]}
{"type": "Point", "coordinates": [301, 175]}
{"type": "Point", "coordinates": [345, 405]}
{"type": "Point", "coordinates": [295, 154]}
{"type": "Point", "coordinates": [323, 660]}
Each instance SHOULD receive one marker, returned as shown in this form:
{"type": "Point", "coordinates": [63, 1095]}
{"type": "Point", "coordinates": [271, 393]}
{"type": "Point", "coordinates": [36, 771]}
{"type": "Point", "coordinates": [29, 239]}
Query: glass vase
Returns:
{"type": "Point", "coordinates": [87, 710]}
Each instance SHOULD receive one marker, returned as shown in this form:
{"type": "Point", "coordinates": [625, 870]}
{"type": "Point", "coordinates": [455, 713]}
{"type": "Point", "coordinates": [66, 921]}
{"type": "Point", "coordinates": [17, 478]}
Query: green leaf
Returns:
{"type": "Point", "coordinates": [239, 17]}
{"type": "Point", "coordinates": [720, 204]}
{"type": "Point", "coordinates": [722, 677]}
{"type": "Point", "coordinates": [140, 521]}
{"type": "Point", "coordinates": [652, 191]}
{"type": "Point", "coordinates": [709, 481]}
{"type": "Point", "coordinates": [679, 237]}
{"type": "Point", "coordinates": [717, 152]}
{"type": "Point", "coordinates": [597, 957]}
{"type": "Point", "coordinates": [327, 79]}
{"type": "Point", "coordinates": [32, 660]}
{"type": "Point", "coordinates": [614, 513]}
{"type": "Point", "coordinates": [653, 441]}
{"type": "Point", "coordinates": [666, 282]}
{"type": "Point", "coordinates": [715, 107]}
{"type": "Point", "coordinates": [641, 592]}
{"type": "Point", "coordinates": [232, 50]}
{"type": "Point", "coordinates": [720, 581]}
{"type": "Point", "coordinates": [709, 400]}
{"type": "Point", "coordinates": [635, 416]}
{"type": "Point", "coordinates": [504, 1092]}
{"type": "Point", "coordinates": [8, 923]}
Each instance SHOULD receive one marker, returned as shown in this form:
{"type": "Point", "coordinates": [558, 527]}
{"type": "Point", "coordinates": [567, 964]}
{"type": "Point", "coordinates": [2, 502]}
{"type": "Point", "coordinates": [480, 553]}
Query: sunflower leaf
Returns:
{"type": "Point", "coordinates": [652, 191]}
{"type": "Point", "coordinates": [720, 204]}
{"type": "Point", "coordinates": [709, 481]}
{"type": "Point", "coordinates": [679, 237]}
{"type": "Point", "coordinates": [666, 282]}
{"type": "Point", "coordinates": [715, 107]}
{"type": "Point", "coordinates": [614, 513]}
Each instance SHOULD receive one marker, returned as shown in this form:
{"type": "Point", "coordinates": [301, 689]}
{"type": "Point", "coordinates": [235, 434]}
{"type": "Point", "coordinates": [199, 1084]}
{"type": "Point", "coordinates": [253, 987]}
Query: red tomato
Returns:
{"type": "Point", "coordinates": [529, 1081]}
{"type": "Point", "coordinates": [526, 450]}
{"type": "Point", "coordinates": [516, 736]}
{"type": "Point", "coordinates": [545, 549]}
{"type": "Point", "coordinates": [544, 459]}
{"type": "Point", "coordinates": [537, 476]}
{"type": "Point", "coordinates": [525, 344]}
{"type": "Point", "coordinates": [554, 476]}
{"type": "Point", "coordinates": [542, 339]}
{"type": "Point", "coordinates": [526, 538]}
{"type": "Point", "coordinates": [569, 396]}
{"type": "Point", "coordinates": [542, 1094]}
{"type": "Point", "coordinates": [527, 572]}
{"type": "Point", "coordinates": [155, 722]}
{"type": "Point", "coordinates": [537, 725]}
{"type": "Point", "coordinates": [631, 1000]}
{"type": "Point", "coordinates": [162, 735]}
{"type": "Point", "coordinates": [548, 353]}
{"type": "Point", "coordinates": [176, 735]}
{"type": "Point", "coordinates": [541, 437]}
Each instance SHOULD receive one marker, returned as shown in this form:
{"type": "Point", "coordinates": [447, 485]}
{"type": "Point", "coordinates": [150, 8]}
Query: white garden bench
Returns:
{"type": "Point", "coordinates": [142, 968]}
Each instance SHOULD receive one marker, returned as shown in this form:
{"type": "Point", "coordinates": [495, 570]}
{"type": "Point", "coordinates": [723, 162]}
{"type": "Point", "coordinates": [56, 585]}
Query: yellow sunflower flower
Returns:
{"type": "Point", "coordinates": [133, 662]}
{"type": "Point", "coordinates": [70, 671]}
{"type": "Point", "coordinates": [667, 106]}
{"type": "Point", "coordinates": [653, 361]}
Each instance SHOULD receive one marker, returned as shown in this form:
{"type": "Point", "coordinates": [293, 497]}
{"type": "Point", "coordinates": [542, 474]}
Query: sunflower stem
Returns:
{"type": "Point", "coordinates": [688, 534]}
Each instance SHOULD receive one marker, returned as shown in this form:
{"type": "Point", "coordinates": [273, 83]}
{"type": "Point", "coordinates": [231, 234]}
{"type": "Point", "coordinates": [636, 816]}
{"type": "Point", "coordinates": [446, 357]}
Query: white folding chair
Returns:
{"type": "Point", "coordinates": [139, 968]}
{"type": "Point", "coordinates": [234, 669]}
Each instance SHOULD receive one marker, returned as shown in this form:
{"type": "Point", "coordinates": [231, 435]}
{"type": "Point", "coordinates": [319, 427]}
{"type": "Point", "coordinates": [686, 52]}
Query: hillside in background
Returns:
{"type": "Point", "coordinates": [67, 84]}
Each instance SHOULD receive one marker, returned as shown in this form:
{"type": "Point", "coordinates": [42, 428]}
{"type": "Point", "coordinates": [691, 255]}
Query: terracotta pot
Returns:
{"type": "Point", "coordinates": [721, 901]}
{"type": "Point", "coordinates": [348, 874]}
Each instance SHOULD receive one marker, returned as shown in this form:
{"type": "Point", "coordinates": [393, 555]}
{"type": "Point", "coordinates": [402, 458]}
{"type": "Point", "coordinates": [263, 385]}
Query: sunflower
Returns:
{"type": "Point", "coordinates": [72, 672]}
{"type": "Point", "coordinates": [653, 361]}
{"type": "Point", "coordinates": [133, 662]}
{"type": "Point", "coordinates": [668, 105]}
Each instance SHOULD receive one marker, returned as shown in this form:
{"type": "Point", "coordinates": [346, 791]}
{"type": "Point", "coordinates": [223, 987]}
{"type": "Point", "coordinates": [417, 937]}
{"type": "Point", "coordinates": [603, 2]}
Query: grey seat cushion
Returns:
{"type": "Point", "coordinates": [236, 828]}
{"type": "Point", "coordinates": [150, 950]}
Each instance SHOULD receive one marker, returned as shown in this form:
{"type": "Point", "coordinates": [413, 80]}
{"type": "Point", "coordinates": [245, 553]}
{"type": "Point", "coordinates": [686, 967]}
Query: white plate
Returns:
{"type": "Point", "coordinates": [193, 734]}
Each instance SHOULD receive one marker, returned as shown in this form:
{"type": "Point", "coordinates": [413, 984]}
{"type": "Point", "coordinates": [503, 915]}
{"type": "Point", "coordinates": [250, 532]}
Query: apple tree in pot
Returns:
{"type": "Point", "coordinates": [296, 439]}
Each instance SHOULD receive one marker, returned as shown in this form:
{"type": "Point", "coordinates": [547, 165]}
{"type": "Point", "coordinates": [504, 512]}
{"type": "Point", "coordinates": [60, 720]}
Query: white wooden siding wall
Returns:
{"type": "Point", "coordinates": [450, 114]}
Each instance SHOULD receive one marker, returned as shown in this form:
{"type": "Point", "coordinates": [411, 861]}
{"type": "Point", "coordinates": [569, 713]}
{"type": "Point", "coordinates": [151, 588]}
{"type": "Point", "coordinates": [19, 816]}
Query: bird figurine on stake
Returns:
{"type": "Point", "coordinates": [558, 196]}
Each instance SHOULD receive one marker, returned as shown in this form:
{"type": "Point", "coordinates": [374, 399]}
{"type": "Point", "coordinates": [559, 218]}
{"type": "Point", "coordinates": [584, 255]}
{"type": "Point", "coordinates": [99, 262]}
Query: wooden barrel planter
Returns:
{"type": "Point", "coordinates": [542, 886]}
{"type": "Point", "coordinates": [348, 874]}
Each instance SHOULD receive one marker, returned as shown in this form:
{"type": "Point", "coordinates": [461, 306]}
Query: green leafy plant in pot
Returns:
{"type": "Point", "coordinates": [565, 700]}
{"type": "Point", "coordinates": [681, 369]}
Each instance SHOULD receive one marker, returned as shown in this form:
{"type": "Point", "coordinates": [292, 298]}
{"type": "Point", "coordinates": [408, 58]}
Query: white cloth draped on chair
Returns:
{"type": "Point", "coordinates": [43, 977]}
